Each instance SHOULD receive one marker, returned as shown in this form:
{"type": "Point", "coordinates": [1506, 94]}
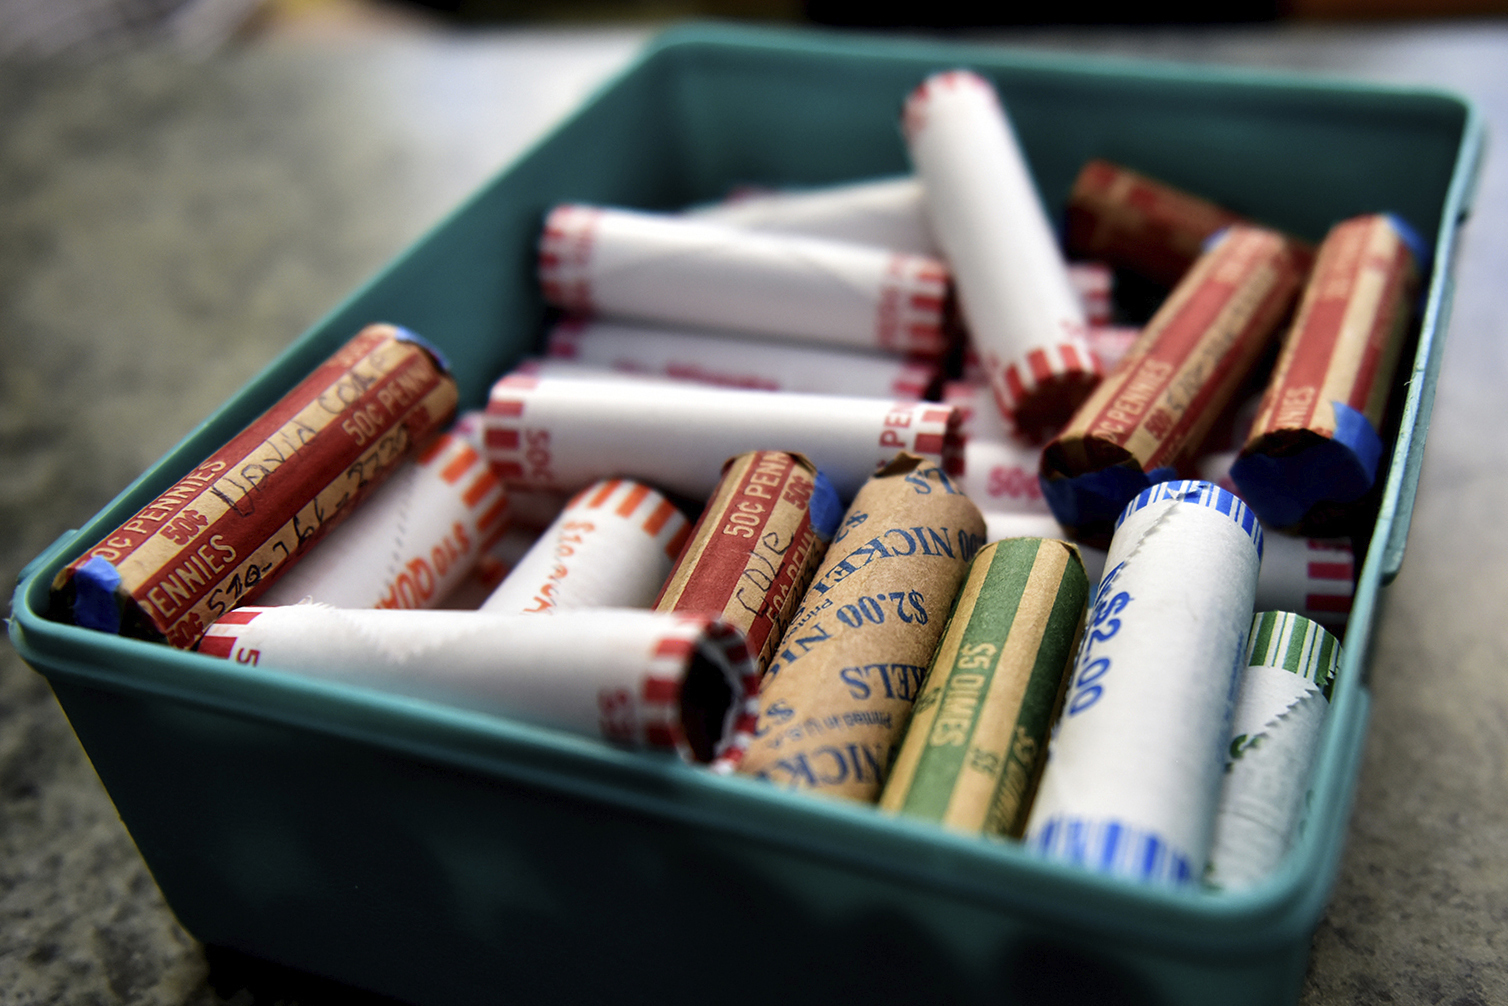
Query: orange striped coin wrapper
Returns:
{"type": "Point", "coordinates": [227, 529]}
{"type": "Point", "coordinates": [634, 677]}
{"type": "Point", "coordinates": [612, 547]}
{"type": "Point", "coordinates": [837, 696]}
{"type": "Point", "coordinates": [1315, 445]}
{"type": "Point", "coordinates": [1153, 411]}
{"type": "Point", "coordinates": [412, 541]}
{"type": "Point", "coordinates": [973, 752]}
{"type": "Point", "coordinates": [565, 433]}
{"type": "Point", "coordinates": [1139, 223]}
{"type": "Point", "coordinates": [1022, 313]}
{"type": "Point", "coordinates": [700, 274]}
{"type": "Point", "coordinates": [735, 362]}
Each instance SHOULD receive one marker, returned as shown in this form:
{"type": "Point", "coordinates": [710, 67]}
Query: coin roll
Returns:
{"type": "Point", "coordinates": [1280, 716]}
{"type": "Point", "coordinates": [611, 547]}
{"type": "Point", "coordinates": [1139, 223]}
{"type": "Point", "coordinates": [1022, 313]}
{"type": "Point", "coordinates": [1315, 444]}
{"type": "Point", "coordinates": [566, 432]}
{"type": "Point", "coordinates": [1136, 762]}
{"type": "Point", "coordinates": [973, 752]}
{"type": "Point", "coordinates": [224, 532]}
{"type": "Point", "coordinates": [696, 273]}
{"type": "Point", "coordinates": [635, 677]}
{"type": "Point", "coordinates": [412, 542]}
{"type": "Point", "coordinates": [1152, 412]}
{"type": "Point", "coordinates": [839, 690]}
{"type": "Point", "coordinates": [736, 362]}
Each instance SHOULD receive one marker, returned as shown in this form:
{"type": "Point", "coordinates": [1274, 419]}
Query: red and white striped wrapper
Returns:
{"type": "Point", "coordinates": [411, 542]}
{"type": "Point", "coordinates": [225, 531]}
{"type": "Point", "coordinates": [733, 362]}
{"type": "Point", "coordinates": [1111, 343]}
{"type": "Point", "coordinates": [1194, 354]}
{"type": "Point", "coordinates": [1000, 468]}
{"type": "Point", "coordinates": [564, 433]}
{"type": "Point", "coordinates": [1094, 282]}
{"type": "Point", "coordinates": [885, 212]}
{"type": "Point", "coordinates": [1022, 313]}
{"type": "Point", "coordinates": [612, 547]}
{"type": "Point", "coordinates": [1313, 577]}
{"type": "Point", "coordinates": [699, 274]}
{"type": "Point", "coordinates": [1131, 220]}
{"type": "Point", "coordinates": [495, 562]}
{"type": "Point", "coordinates": [640, 678]}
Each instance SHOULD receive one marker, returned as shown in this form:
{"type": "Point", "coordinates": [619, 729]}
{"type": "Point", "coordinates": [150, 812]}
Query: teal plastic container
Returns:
{"type": "Point", "coordinates": [444, 857]}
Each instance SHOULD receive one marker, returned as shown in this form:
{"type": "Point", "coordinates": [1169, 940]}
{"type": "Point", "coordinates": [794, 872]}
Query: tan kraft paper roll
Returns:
{"type": "Point", "coordinates": [838, 694]}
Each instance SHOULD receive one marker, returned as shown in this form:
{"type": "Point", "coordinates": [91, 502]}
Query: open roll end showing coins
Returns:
{"type": "Point", "coordinates": [673, 682]}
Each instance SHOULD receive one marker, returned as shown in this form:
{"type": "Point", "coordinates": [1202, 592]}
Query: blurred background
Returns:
{"type": "Point", "coordinates": [186, 185]}
{"type": "Point", "coordinates": [51, 27]}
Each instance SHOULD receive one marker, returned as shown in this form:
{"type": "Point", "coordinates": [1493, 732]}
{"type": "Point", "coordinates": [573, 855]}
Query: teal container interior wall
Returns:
{"type": "Point", "coordinates": [441, 857]}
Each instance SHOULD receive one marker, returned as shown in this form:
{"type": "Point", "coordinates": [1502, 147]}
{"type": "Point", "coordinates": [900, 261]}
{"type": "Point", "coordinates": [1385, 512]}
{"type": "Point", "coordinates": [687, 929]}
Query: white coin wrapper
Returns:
{"type": "Point", "coordinates": [1021, 311]}
{"type": "Point", "coordinates": [612, 547]}
{"type": "Point", "coordinates": [1000, 468]}
{"type": "Point", "coordinates": [565, 433]}
{"type": "Point", "coordinates": [1275, 735]}
{"type": "Point", "coordinates": [1135, 766]}
{"type": "Point", "coordinates": [641, 678]}
{"type": "Point", "coordinates": [1314, 577]}
{"type": "Point", "coordinates": [698, 274]}
{"type": "Point", "coordinates": [887, 212]}
{"type": "Point", "coordinates": [411, 542]}
{"type": "Point", "coordinates": [734, 362]}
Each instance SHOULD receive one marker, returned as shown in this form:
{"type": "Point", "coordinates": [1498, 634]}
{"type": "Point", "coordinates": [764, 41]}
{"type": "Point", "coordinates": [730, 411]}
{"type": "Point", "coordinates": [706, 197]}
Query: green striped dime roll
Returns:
{"type": "Point", "coordinates": [1294, 643]}
{"type": "Point", "coordinates": [1275, 734]}
{"type": "Point", "coordinates": [972, 754]}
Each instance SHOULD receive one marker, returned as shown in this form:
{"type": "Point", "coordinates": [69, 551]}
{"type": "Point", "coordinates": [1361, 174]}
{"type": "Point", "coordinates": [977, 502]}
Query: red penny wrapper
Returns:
{"type": "Point", "coordinates": [1192, 357]}
{"type": "Point", "coordinates": [751, 556]}
{"type": "Point", "coordinates": [1130, 220]}
{"type": "Point", "coordinates": [1315, 444]}
{"type": "Point", "coordinates": [755, 547]}
{"type": "Point", "coordinates": [229, 528]}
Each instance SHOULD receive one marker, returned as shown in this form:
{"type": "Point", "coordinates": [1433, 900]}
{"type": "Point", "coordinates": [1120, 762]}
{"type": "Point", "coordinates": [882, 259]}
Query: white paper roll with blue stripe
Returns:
{"type": "Point", "coordinates": [1135, 765]}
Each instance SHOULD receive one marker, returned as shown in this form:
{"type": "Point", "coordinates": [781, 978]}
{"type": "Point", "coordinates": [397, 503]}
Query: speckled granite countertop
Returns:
{"type": "Point", "coordinates": [167, 225]}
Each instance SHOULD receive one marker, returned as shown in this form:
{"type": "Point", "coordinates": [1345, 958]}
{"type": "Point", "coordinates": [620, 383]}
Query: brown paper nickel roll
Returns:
{"type": "Point", "coordinates": [973, 752]}
{"type": "Point", "coordinates": [838, 693]}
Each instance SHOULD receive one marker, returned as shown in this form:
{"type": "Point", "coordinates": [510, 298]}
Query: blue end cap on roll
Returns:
{"type": "Point", "coordinates": [1098, 497]}
{"type": "Point", "coordinates": [1411, 237]}
{"type": "Point", "coordinates": [1197, 492]}
{"type": "Point", "coordinates": [94, 603]}
{"type": "Point", "coordinates": [1339, 469]}
{"type": "Point", "coordinates": [408, 335]}
{"type": "Point", "coordinates": [826, 507]}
